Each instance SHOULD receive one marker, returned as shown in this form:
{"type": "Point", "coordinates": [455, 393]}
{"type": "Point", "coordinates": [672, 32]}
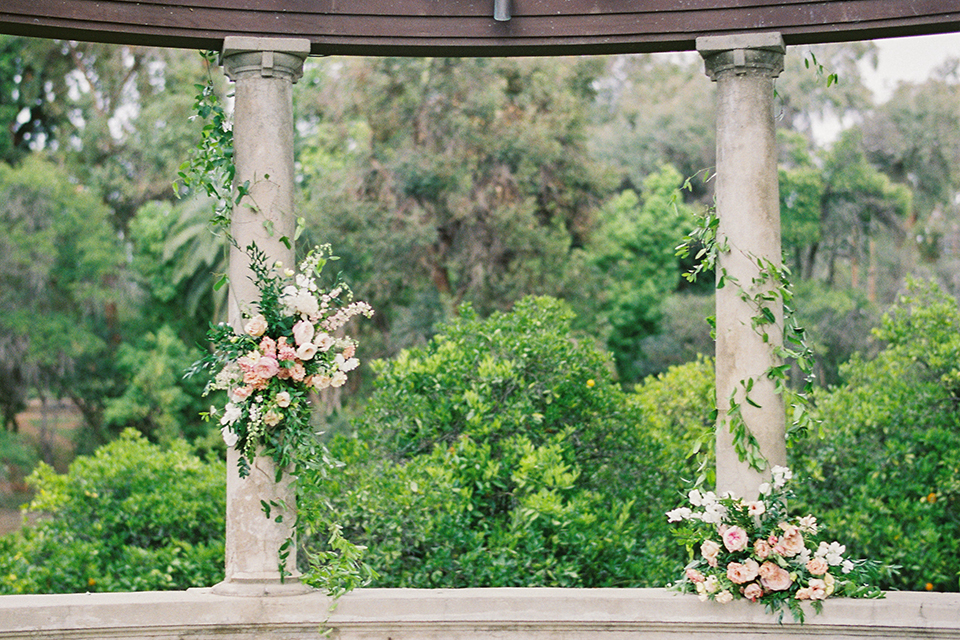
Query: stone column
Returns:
{"type": "Point", "coordinates": [264, 71]}
{"type": "Point", "coordinates": [748, 208]}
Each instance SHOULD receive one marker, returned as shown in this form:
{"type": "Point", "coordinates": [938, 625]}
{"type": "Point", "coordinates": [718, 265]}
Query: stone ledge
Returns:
{"type": "Point", "coordinates": [478, 614]}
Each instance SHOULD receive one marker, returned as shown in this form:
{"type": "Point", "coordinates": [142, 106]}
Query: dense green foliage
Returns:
{"type": "Point", "coordinates": [886, 475]}
{"type": "Point", "coordinates": [503, 453]}
{"type": "Point", "coordinates": [132, 517]}
{"type": "Point", "coordinates": [60, 313]}
{"type": "Point", "coordinates": [482, 457]}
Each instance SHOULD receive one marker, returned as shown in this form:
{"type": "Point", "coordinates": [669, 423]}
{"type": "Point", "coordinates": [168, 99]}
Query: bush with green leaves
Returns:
{"type": "Point", "coordinates": [131, 517]}
{"type": "Point", "coordinates": [502, 453]}
{"type": "Point", "coordinates": [886, 475]}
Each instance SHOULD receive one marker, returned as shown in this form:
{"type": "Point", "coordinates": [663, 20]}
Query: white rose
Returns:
{"type": "Point", "coordinates": [283, 399]}
{"type": "Point", "coordinates": [338, 378]}
{"type": "Point", "coordinates": [323, 341]}
{"type": "Point", "coordinates": [256, 326]}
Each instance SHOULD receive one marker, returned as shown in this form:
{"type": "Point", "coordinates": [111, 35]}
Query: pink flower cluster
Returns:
{"type": "Point", "coordinates": [288, 358]}
{"type": "Point", "coordinates": [291, 348]}
{"type": "Point", "coordinates": [751, 550]}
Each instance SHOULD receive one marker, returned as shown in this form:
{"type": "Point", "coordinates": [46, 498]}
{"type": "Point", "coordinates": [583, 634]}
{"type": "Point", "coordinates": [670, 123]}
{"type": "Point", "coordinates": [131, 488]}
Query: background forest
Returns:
{"type": "Point", "coordinates": [536, 384]}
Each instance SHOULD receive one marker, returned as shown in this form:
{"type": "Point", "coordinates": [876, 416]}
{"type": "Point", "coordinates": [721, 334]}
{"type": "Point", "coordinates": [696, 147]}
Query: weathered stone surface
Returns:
{"type": "Point", "coordinates": [477, 614]}
{"type": "Point", "coordinates": [263, 71]}
{"type": "Point", "coordinates": [748, 208]}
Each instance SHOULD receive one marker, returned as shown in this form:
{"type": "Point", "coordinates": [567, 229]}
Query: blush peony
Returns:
{"type": "Point", "coordinates": [743, 573]}
{"type": "Point", "coordinates": [752, 591]}
{"type": "Point", "coordinates": [773, 577]}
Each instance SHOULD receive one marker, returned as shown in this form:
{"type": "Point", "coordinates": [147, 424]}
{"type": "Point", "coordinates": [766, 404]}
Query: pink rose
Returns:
{"type": "Point", "coordinates": [723, 597]}
{"type": "Point", "coordinates": [803, 593]}
{"type": "Point", "coordinates": [285, 351]}
{"type": "Point", "coordinates": [791, 542]}
{"type": "Point", "coordinates": [268, 347]}
{"type": "Point", "coordinates": [709, 549]}
{"type": "Point", "coordinates": [349, 350]}
{"type": "Point", "coordinates": [254, 381]}
{"type": "Point", "coordinates": [272, 418]}
{"type": "Point", "coordinates": [303, 332]}
{"type": "Point", "coordinates": [735, 539]}
{"type": "Point", "coordinates": [297, 371]}
{"type": "Point", "coordinates": [761, 549]}
{"type": "Point", "coordinates": [256, 326]}
{"type": "Point", "coordinates": [752, 592]}
{"type": "Point", "coordinates": [241, 393]}
{"type": "Point", "coordinates": [742, 573]}
{"type": "Point", "coordinates": [266, 367]}
{"type": "Point", "coordinates": [695, 576]}
{"type": "Point", "coordinates": [817, 566]}
{"type": "Point", "coordinates": [773, 577]}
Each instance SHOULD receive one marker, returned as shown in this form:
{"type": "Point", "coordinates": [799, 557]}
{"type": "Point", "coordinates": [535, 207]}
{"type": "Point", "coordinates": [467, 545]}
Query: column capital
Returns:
{"type": "Point", "coordinates": [747, 54]}
{"type": "Point", "coordinates": [265, 57]}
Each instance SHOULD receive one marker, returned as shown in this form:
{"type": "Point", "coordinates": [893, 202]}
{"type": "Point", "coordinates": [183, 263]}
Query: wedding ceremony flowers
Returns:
{"type": "Point", "coordinates": [291, 346]}
{"type": "Point", "coordinates": [753, 550]}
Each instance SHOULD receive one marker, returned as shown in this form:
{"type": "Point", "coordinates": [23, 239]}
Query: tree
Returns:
{"type": "Point", "coordinates": [885, 472]}
{"type": "Point", "coordinates": [452, 181]}
{"type": "Point", "coordinates": [914, 139]}
{"type": "Point", "coordinates": [117, 116]}
{"type": "Point", "coordinates": [807, 96]}
{"type": "Point", "coordinates": [502, 453]}
{"type": "Point", "coordinates": [653, 110]}
{"type": "Point", "coordinates": [634, 249]}
{"type": "Point", "coordinates": [859, 202]}
{"type": "Point", "coordinates": [132, 517]}
{"type": "Point", "coordinates": [59, 290]}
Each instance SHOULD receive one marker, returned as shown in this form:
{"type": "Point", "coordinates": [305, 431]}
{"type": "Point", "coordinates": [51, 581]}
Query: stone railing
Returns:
{"type": "Point", "coordinates": [477, 614]}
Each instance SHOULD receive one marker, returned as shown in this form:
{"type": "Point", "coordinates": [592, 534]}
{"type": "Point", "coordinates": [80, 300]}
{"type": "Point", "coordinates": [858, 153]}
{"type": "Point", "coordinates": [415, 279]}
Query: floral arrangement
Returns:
{"type": "Point", "coordinates": [755, 551]}
{"type": "Point", "coordinates": [290, 347]}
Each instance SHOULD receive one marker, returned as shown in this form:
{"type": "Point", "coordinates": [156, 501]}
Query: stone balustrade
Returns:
{"type": "Point", "coordinates": [477, 614]}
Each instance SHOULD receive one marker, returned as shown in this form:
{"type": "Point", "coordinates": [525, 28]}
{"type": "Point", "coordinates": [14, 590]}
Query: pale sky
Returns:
{"type": "Point", "coordinates": [910, 59]}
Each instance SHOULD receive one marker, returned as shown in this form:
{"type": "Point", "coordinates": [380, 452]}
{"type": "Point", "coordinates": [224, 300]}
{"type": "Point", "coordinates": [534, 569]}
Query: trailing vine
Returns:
{"type": "Point", "coordinates": [769, 287]}
{"type": "Point", "coordinates": [288, 303]}
{"type": "Point", "coordinates": [210, 169]}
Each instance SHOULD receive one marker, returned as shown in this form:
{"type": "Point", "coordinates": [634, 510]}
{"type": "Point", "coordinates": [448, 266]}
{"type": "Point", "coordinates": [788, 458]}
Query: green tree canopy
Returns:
{"type": "Point", "coordinates": [59, 289]}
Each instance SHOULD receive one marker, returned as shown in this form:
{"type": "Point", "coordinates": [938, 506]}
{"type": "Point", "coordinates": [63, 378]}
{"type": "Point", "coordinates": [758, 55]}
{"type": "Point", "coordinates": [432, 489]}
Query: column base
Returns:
{"type": "Point", "coordinates": [261, 587]}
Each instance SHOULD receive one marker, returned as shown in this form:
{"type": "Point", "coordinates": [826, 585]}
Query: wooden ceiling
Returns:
{"type": "Point", "coordinates": [468, 27]}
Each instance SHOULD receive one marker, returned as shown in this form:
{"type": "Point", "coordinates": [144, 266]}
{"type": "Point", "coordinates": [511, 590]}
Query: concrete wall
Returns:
{"type": "Point", "coordinates": [477, 614]}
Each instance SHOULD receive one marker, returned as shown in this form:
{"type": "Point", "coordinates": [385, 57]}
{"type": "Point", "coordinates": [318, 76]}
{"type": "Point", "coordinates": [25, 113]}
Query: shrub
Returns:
{"type": "Point", "coordinates": [886, 476]}
{"type": "Point", "coordinates": [131, 517]}
{"type": "Point", "coordinates": [503, 453]}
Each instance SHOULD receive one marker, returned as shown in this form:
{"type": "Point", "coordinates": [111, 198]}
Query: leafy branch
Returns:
{"type": "Point", "coordinates": [210, 169]}
{"type": "Point", "coordinates": [769, 287]}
